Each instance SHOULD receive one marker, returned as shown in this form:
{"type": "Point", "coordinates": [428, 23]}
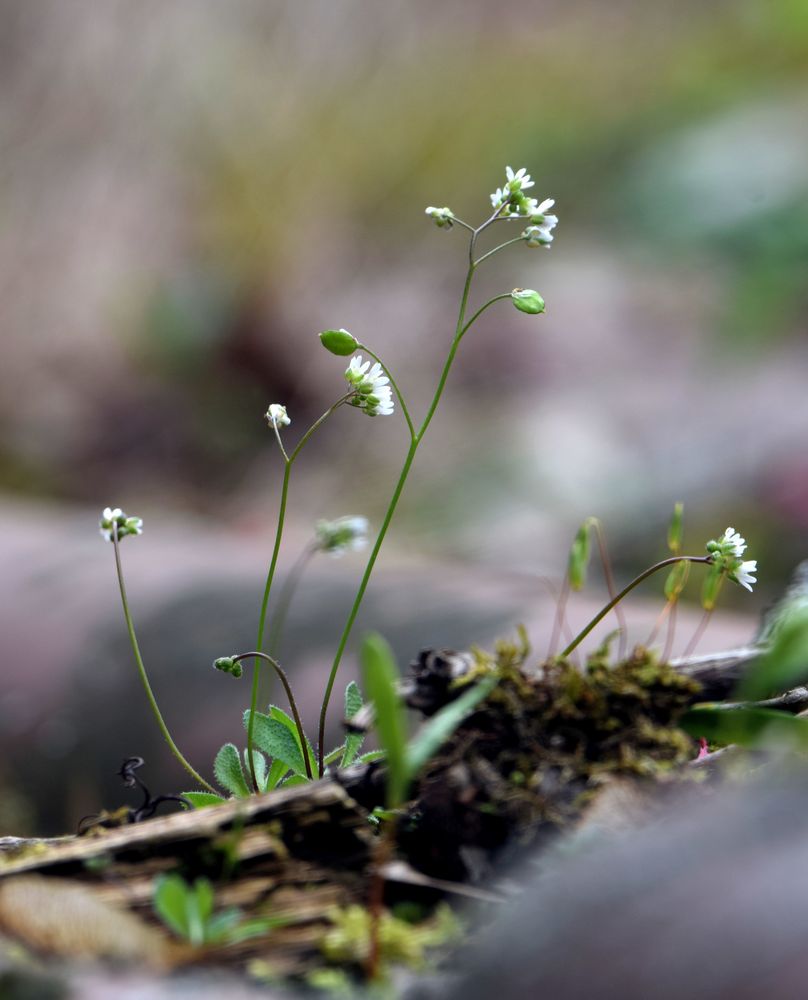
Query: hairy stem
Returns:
{"type": "Point", "coordinates": [258, 656]}
{"type": "Point", "coordinates": [391, 508]}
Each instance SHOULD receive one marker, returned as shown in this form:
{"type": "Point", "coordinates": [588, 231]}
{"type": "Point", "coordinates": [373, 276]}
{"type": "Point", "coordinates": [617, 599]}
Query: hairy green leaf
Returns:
{"type": "Point", "coordinates": [227, 768]}
{"type": "Point", "coordinates": [170, 903]}
{"type": "Point", "coordinates": [353, 741]}
{"type": "Point", "coordinates": [201, 799]}
{"type": "Point", "coordinates": [289, 722]}
{"type": "Point", "coordinates": [276, 771]}
{"type": "Point", "coordinates": [334, 754]}
{"type": "Point", "coordinates": [277, 741]}
{"type": "Point", "coordinates": [260, 764]}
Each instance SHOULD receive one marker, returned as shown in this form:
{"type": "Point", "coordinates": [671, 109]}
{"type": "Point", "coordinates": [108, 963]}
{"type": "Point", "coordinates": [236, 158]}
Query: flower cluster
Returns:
{"type": "Point", "coordinates": [443, 216]}
{"type": "Point", "coordinates": [114, 516]}
{"type": "Point", "coordinates": [371, 387]}
{"type": "Point", "coordinates": [727, 554]}
{"type": "Point", "coordinates": [511, 200]}
{"type": "Point", "coordinates": [277, 417]}
{"type": "Point", "coordinates": [342, 535]}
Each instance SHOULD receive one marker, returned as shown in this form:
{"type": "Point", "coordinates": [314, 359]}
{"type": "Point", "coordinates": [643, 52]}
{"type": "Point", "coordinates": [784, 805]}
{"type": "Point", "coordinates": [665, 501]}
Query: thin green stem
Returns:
{"type": "Point", "coordinates": [280, 442]}
{"type": "Point", "coordinates": [262, 617]}
{"type": "Point", "coordinates": [490, 253]}
{"type": "Point", "coordinates": [258, 656]}
{"type": "Point", "coordinates": [627, 590]}
{"type": "Point", "coordinates": [142, 670]}
{"type": "Point", "coordinates": [288, 462]}
{"type": "Point", "coordinates": [285, 596]}
{"type": "Point", "coordinates": [606, 563]}
{"type": "Point", "coordinates": [391, 508]}
{"type": "Point", "coordinates": [396, 389]}
{"type": "Point", "coordinates": [481, 310]}
{"type": "Point", "coordinates": [318, 423]}
{"type": "Point", "coordinates": [358, 599]}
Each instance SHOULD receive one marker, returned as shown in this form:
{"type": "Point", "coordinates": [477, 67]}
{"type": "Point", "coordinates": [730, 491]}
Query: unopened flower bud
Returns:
{"type": "Point", "coordinates": [228, 665]}
{"type": "Point", "coordinates": [443, 216]}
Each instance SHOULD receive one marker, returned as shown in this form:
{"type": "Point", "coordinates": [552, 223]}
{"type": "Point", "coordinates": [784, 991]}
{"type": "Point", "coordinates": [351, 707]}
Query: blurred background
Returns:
{"type": "Point", "coordinates": [190, 192]}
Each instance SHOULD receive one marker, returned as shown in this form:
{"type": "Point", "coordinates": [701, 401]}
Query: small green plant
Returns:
{"type": "Point", "coordinates": [188, 910]}
{"type": "Point", "coordinates": [782, 665]}
{"type": "Point", "coordinates": [405, 758]}
{"type": "Point", "coordinates": [278, 752]}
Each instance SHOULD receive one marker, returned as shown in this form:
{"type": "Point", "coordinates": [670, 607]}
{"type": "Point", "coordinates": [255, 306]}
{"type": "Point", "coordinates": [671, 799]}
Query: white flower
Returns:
{"type": "Point", "coordinates": [443, 216]}
{"type": "Point", "coordinates": [742, 574]}
{"type": "Point", "coordinates": [732, 544]}
{"type": "Point", "coordinates": [540, 236]}
{"type": "Point", "coordinates": [342, 535]}
{"type": "Point", "coordinates": [512, 201]}
{"type": "Point", "coordinates": [112, 516]}
{"type": "Point", "coordinates": [276, 416]}
{"type": "Point", "coordinates": [727, 556]}
{"type": "Point", "coordinates": [519, 181]}
{"type": "Point", "coordinates": [371, 387]}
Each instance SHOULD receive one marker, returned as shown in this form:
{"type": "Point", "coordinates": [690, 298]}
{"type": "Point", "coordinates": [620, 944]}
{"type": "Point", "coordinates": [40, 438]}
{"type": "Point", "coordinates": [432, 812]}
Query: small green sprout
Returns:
{"type": "Point", "coordinates": [188, 911]}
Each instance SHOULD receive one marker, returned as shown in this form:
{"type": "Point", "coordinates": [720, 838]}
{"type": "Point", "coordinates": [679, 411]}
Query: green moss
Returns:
{"type": "Point", "coordinates": [400, 942]}
{"type": "Point", "coordinates": [547, 736]}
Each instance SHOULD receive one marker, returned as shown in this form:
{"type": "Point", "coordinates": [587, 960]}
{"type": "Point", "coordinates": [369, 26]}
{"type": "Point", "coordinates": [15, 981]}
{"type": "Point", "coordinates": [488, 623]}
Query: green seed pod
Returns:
{"type": "Point", "coordinates": [339, 342]}
{"type": "Point", "coordinates": [677, 578]}
{"type": "Point", "coordinates": [579, 558]}
{"type": "Point", "coordinates": [527, 300]}
{"type": "Point", "coordinates": [711, 587]}
{"type": "Point", "coordinates": [675, 529]}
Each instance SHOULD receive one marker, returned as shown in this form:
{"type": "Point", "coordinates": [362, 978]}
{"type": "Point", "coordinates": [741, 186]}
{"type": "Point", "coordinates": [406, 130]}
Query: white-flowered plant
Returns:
{"type": "Point", "coordinates": [727, 556]}
{"type": "Point", "coordinates": [540, 232]}
{"type": "Point", "coordinates": [371, 387]}
{"type": "Point", "coordinates": [345, 534]}
{"type": "Point", "coordinates": [277, 746]}
{"type": "Point", "coordinates": [276, 416]}
{"type": "Point", "coordinates": [444, 217]}
{"type": "Point", "coordinates": [112, 517]}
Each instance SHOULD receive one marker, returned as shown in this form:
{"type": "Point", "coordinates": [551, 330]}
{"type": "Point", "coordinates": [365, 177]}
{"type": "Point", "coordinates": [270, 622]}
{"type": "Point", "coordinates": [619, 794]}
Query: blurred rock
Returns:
{"type": "Point", "coordinates": [705, 901]}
